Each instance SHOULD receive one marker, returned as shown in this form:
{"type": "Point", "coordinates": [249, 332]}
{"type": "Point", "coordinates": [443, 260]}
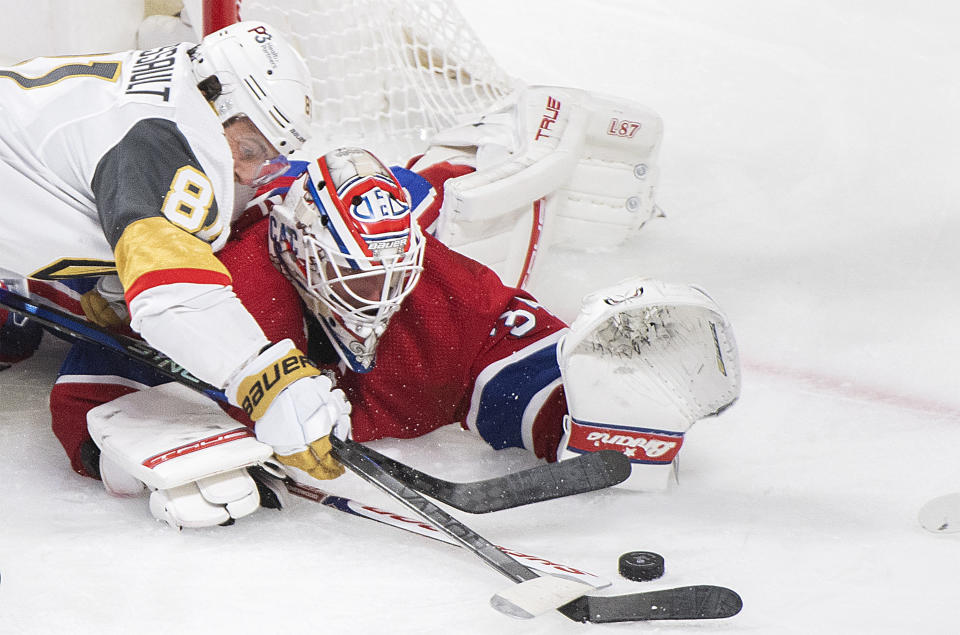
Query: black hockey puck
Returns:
{"type": "Point", "coordinates": [641, 565]}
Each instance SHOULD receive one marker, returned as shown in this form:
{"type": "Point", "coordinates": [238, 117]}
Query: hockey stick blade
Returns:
{"type": "Point", "coordinates": [540, 595]}
{"type": "Point", "coordinates": [684, 603]}
{"type": "Point", "coordinates": [701, 602]}
{"type": "Point", "coordinates": [585, 473]}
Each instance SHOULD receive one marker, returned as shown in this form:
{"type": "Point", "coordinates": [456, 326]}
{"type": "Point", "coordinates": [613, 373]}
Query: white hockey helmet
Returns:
{"type": "Point", "coordinates": [347, 240]}
{"type": "Point", "coordinates": [250, 69]}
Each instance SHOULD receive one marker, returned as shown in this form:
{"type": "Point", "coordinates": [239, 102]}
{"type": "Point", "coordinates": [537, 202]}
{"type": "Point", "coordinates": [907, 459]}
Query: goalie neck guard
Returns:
{"type": "Point", "coordinates": [346, 239]}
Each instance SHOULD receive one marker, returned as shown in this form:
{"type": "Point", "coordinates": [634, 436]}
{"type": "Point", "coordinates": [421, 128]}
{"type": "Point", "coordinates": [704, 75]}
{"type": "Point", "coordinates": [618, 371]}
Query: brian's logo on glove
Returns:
{"type": "Point", "coordinates": [639, 444]}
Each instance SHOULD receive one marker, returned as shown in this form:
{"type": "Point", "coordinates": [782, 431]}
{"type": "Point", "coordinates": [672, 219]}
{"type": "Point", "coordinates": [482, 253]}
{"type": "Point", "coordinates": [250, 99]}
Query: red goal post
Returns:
{"type": "Point", "coordinates": [218, 14]}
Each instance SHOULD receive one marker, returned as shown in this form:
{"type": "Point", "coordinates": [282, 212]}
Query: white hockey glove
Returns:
{"type": "Point", "coordinates": [295, 409]}
{"type": "Point", "coordinates": [641, 363]}
{"type": "Point", "coordinates": [183, 448]}
{"type": "Point", "coordinates": [161, 28]}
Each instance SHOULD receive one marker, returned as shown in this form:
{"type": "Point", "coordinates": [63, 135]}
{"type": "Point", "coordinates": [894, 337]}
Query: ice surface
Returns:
{"type": "Point", "coordinates": [809, 168]}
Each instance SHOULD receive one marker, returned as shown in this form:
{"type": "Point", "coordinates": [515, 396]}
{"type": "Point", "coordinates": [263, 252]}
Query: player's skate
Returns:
{"type": "Point", "coordinates": [642, 362]}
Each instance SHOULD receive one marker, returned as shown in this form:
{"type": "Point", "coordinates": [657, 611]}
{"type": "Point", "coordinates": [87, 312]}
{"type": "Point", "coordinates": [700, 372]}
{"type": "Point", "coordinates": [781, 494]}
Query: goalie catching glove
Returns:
{"type": "Point", "coordinates": [295, 409]}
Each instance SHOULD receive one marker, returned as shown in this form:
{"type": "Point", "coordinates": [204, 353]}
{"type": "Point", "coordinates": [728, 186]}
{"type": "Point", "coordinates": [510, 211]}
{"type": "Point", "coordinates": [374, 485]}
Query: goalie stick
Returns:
{"type": "Point", "coordinates": [586, 473]}
{"type": "Point", "coordinates": [682, 603]}
{"type": "Point", "coordinates": [583, 473]}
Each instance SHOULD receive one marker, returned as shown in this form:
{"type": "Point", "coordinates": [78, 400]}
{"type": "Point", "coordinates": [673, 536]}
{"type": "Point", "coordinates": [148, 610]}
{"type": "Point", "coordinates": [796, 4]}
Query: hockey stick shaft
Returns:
{"type": "Point", "coordinates": [584, 473]}
{"type": "Point", "coordinates": [366, 468]}
{"type": "Point", "coordinates": [427, 530]}
{"type": "Point", "coordinates": [77, 329]}
{"type": "Point", "coordinates": [544, 482]}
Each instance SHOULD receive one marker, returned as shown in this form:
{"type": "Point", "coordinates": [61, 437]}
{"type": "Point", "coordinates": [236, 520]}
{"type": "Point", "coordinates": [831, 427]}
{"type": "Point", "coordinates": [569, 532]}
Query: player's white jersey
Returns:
{"type": "Point", "coordinates": [102, 150]}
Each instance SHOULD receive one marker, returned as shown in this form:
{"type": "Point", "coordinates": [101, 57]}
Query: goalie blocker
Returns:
{"type": "Point", "coordinates": [184, 449]}
{"type": "Point", "coordinates": [642, 362]}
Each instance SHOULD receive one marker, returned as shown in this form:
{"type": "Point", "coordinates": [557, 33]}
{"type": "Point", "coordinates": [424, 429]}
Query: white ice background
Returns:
{"type": "Point", "coordinates": [811, 179]}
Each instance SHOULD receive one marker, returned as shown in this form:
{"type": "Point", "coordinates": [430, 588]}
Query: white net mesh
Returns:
{"type": "Point", "coordinates": [387, 73]}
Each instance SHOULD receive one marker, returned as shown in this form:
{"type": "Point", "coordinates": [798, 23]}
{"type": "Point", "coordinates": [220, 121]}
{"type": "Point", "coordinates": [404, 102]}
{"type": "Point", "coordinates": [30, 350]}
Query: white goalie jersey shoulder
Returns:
{"type": "Point", "coordinates": [554, 166]}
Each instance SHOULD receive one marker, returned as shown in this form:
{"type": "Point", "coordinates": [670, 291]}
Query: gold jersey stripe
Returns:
{"type": "Point", "coordinates": [154, 244]}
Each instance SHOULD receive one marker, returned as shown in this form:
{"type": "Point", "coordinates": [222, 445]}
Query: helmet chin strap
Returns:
{"type": "Point", "coordinates": [242, 195]}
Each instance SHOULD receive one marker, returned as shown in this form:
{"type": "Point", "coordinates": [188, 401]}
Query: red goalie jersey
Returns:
{"type": "Point", "coordinates": [462, 348]}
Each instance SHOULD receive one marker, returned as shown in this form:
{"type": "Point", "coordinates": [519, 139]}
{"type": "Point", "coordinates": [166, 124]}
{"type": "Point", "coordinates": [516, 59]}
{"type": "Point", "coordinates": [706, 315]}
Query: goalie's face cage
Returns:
{"type": "Point", "coordinates": [356, 250]}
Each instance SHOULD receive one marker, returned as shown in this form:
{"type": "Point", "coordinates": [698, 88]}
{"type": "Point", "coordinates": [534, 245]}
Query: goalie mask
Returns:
{"type": "Point", "coordinates": [347, 240]}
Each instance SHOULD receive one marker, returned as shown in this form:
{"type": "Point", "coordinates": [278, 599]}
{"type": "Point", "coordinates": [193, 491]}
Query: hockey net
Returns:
{"type": "Point", "coordinates": [387, 73]}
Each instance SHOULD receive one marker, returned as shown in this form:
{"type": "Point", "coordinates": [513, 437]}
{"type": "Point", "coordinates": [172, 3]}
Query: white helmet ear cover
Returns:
{"type": "Point", "coordinates": [250, 69]}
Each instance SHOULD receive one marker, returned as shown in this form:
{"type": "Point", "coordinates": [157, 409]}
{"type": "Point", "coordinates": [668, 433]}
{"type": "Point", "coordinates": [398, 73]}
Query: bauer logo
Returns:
{"type": "Point", "coordinates": [642, 446]}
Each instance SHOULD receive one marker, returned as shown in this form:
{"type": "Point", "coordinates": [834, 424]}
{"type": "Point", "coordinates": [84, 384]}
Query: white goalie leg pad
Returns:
{"type": "Point", "coordinates": [642, 362]}
{"type": "Point", "coordinates": [554, 166]}
{"type": "Point", "coordinates": [184, 448]}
